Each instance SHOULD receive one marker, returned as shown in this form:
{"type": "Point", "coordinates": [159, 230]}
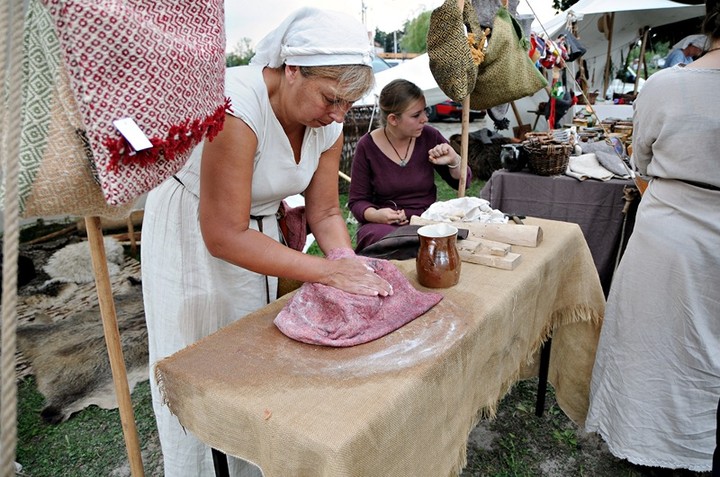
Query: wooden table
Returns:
{"type": "Point", "coordinates": [402, 405]}
{"type": "Point", "coordinates": [600, 209]}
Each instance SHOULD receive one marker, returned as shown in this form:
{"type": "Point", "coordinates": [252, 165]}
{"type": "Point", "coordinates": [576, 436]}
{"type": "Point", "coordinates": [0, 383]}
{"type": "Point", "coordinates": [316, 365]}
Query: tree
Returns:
{"type": "Point", "coordinates": [415, 38]}
{"type": "Point", "coordinates": [241, 54]}
{"type": "Point", "coordinates": [563, 5]}
{"type": "Point", "coordinates": [381, 38]}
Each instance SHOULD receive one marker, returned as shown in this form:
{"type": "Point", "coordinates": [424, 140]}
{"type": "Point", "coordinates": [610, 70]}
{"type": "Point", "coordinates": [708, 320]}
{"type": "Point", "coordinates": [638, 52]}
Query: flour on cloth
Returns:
{"type": "Point", "coordinates": [586, 166]}
{"type": "Point", "coordinates": [323, 315]}
{"type": "Point", "coordinates": [464, 209]}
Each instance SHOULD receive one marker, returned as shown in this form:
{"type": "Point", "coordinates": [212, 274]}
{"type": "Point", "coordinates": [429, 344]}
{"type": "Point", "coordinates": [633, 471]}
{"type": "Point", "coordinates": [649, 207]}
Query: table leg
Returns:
{"type": "Point", "coordinates": [220, 463]}
{"type": "Point", "coordinates": [542, 377]}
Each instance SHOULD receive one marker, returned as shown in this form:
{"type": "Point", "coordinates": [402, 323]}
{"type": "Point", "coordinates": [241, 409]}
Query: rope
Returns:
{"type": "Point", "coordinates": [11, 25]}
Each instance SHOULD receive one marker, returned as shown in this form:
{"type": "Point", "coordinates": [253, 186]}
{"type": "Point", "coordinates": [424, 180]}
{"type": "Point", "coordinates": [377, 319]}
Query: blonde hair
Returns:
{"type": "Point", "coordinates": [354, 81]}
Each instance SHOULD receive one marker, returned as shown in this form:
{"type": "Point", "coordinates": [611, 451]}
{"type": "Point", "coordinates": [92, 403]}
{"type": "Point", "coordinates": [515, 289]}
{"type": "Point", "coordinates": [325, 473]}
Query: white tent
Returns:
{"type": "Point", "coordinates": [416, 70]}
{"type": "Point", "coordinates": [630, 17]}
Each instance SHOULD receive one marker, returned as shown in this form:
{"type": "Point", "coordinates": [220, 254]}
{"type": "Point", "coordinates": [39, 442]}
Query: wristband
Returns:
{"type": "Point", "coordinates": [457, 164]}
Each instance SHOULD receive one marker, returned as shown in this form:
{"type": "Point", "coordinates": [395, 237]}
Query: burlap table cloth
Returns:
{"type": "Point", "coordinates": [402, 405]}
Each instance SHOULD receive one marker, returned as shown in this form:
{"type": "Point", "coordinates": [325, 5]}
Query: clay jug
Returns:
{"type": "Point", "coordinates": [438, 261]}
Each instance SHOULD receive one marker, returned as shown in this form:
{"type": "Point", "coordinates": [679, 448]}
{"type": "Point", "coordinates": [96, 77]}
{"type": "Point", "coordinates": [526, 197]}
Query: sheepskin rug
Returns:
{"type": "Point", "coordinates": [73, 263]}
{"type": "Point", "coordinates": [61, 340]}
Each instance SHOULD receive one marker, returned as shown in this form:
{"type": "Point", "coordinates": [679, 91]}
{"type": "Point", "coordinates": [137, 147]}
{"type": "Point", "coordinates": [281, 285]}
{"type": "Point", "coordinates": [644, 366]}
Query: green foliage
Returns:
{"type": "Point", "coordinates": [514, 453]}
{"type": "Point", "coordinates": [380, 36]}
{"type": "Point", "coordinates": [566, 437]}
{"type": "Point", "coordinates": [387, 40]}
{"type": "Point", "coordinates": [563, 4]}
{"type": "Point", "coordinates": [662, 49]}
{"type": "Point", "coordinates": [416, 30]}
{"type": "Point", "coordinates": [241, 54]}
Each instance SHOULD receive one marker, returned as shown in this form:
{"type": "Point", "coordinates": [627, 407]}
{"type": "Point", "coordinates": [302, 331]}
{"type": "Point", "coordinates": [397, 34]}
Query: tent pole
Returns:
{"type": "Point", "coordinates": [610, 25]}
{"type": "Point", "coordinates": [642, 58]}
{"type": "Point", "coordinates": [112, 341]}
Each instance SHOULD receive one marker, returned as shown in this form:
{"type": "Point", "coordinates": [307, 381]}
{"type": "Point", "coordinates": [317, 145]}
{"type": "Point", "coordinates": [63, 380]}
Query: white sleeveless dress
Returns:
{"type": "Point", "coordinates": [188, 294]}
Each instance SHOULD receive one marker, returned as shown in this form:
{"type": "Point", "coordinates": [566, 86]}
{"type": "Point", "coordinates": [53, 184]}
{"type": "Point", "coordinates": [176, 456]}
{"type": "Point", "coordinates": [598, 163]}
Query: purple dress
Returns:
{"type": "Point", "coordinates": [379, 182]}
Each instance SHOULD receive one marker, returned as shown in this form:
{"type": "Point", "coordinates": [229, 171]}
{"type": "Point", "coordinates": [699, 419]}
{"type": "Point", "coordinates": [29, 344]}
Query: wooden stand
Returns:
{"type": "Point", "coordinates": [112, 341]}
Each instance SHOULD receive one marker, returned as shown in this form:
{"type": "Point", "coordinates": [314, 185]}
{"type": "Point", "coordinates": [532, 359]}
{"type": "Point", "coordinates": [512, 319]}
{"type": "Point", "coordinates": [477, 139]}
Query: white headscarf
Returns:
{"type": "Point", "coordinates": [697, 40]}
{"type": "Point", "coordinates": [314, 37]}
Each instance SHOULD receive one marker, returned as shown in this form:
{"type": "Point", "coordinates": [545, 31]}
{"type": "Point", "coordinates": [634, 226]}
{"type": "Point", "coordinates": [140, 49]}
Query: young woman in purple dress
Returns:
{"type": "Point", "coordinates": [393, 170]}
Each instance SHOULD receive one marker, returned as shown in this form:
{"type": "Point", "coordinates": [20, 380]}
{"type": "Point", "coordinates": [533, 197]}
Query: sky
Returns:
{"type": "Point", "coordinates": [254, 19]}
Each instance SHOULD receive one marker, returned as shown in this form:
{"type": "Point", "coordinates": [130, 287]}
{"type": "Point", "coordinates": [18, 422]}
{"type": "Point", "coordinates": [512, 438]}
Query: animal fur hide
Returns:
{"type": "Point", "coordinates": [483, 152]}
{"type": "Point", "coordinates": [73, 263]}
{"type": "Point", "coordinates": [65, 344]}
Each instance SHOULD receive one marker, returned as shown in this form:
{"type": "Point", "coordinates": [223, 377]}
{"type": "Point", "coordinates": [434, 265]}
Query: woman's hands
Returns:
{"type": "Point", "coordinates": [354, 276]}
{"type": "Point", "coordinates": [386, 215]}
{"type": "Point", "coordinates": [444, 155]}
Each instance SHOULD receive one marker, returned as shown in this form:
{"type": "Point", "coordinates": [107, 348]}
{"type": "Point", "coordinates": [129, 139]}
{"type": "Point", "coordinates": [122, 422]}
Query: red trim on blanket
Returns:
{"type": "Point", "coordinates": [180, 139]}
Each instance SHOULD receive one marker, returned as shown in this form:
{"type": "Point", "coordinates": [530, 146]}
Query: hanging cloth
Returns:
{"type": "Point", "coordinates": [157, 63]}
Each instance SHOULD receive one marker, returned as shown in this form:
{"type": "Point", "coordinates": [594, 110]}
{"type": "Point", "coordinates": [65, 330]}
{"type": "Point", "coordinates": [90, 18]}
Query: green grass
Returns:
{"type": "Point", "coordinates": [90, 443]}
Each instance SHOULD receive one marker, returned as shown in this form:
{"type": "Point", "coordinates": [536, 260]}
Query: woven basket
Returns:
{"type": "Point", "coordinates": [547, 156]}
{"type": "Point", "coordinates": [359, 120]}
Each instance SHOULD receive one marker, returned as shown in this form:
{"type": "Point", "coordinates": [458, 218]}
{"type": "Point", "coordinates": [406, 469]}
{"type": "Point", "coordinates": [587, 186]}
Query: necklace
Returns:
{"type": "Point", "coordinates": [712, 49]}
{"type": "Point", "coordinates": [403, 160]}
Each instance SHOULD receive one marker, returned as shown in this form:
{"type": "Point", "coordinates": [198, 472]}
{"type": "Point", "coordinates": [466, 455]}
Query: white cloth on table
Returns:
{"type": "Point", "coordinates": [586, 166]}
{"type": "Point", "coordinates": [465, 209]}
{"type": "Point", "coordinates": [189, 294]}
{"type": "Point", "coordinates": [656, 379]}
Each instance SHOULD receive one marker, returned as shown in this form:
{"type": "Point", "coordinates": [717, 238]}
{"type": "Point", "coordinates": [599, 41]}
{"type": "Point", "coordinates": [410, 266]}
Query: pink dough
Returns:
{"type": "Point", "coordinates": [323, 315]}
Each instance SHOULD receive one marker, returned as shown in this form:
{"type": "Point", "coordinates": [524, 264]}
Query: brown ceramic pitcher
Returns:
{"type": "Point", "coordinates": [438, 261]}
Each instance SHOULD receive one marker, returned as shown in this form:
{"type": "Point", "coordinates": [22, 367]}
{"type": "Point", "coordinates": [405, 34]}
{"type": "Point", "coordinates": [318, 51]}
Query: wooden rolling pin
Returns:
{"type": "Point", "coordinates": [515, 234]}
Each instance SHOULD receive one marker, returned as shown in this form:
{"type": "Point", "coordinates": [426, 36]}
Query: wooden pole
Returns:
{"type": "Point", "coordinates": [464, 141]}
{"type": "Point", "coordinates": [131, 235]}
{"type": "Point", "coordinates": [606, 78]}
{"type": "Point", "coordinates": [642, 56]}
{"type": "Point", "coordinates": [464, 136]}
{"type": "Point", "coordinates": [112, 341]}
{"type": "Point", "coordinates": [581, 62]}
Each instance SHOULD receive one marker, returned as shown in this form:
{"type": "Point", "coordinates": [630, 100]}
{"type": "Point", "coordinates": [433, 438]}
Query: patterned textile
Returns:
{"type": "Point", "coordinates": [56, 173]}
{"type": "Point", "coordinates": [159, 62]}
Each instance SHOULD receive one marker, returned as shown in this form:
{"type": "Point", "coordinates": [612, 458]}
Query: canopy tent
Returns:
{"type": "Point", "coordinates": [416, 70]}
{"type": "Point", "coordinates": [630, 17]}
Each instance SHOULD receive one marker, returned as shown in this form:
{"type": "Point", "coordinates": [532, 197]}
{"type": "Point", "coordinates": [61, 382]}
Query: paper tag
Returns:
{"type": "Point", "coordinates": [131, 131]}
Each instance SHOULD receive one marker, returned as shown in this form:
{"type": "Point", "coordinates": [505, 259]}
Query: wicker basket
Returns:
{"type": "Point", "coordinates": [547, 156]}
{"type": "Point", "coordinates": [358, 121]}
